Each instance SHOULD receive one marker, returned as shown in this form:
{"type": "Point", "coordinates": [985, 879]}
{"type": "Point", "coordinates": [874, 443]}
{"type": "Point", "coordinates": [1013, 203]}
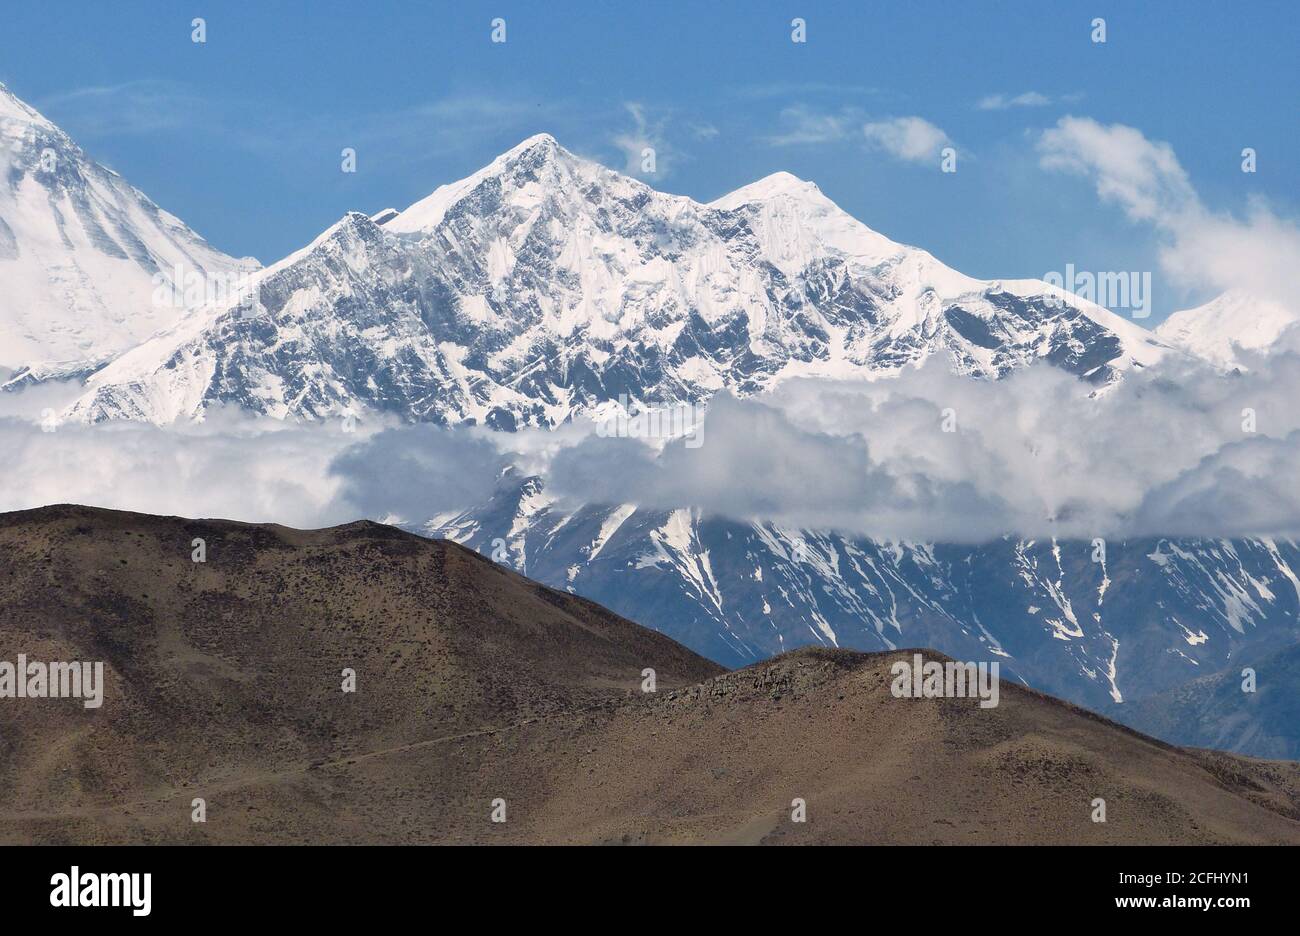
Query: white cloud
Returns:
{"type": "Point", "coordinates": [133, 107]}
{"type": "Point", "coordinates": [1258, 254]}
{"type": "Point", "coordinates": [1143, 176]}
{"type": "Point", "coordinates": [1034, 455]}
{"type": "Point", "coordinates": [911, 139]}
{"type": "Point", "coordinates": [802, 126]}
{"type": "Point", "coordinates": [646, 135]}
{"type": "Point", "coordinates": [239, 467]}
{"type": "Point", "coordinates": [1163, 452]}
{"type": "Point", "coordinates": [1004, 102]}
{"type": "Point", "coordinates": [228, 468]}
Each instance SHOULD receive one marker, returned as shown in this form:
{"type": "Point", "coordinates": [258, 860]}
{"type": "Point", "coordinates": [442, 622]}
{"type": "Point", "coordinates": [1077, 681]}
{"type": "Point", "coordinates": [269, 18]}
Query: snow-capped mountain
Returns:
{"type": "Point", "coordinates": [544, 286]}
{"type": "Point", "coordinates": [1232, 322]}
{"type": "Point", "coordinates": [1151, 615]}
{"type": "Point", "coordinates": [83, 254]}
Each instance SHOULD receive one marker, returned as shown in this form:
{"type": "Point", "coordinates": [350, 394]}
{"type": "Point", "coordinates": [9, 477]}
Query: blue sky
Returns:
{"type": "Point", "coordinates": [241, 136]}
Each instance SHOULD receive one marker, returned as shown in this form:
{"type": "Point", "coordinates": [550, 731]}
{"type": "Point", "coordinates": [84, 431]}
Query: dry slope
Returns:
{"type": "Point", "coordinates": [473, 684]}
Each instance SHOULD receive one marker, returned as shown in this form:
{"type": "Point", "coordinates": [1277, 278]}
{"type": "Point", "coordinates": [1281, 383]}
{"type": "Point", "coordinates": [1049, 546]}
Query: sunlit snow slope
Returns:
{"type": "Point", "coordinates": [82, 252]}
{"type": "Point", "coordinates": [545, 285]}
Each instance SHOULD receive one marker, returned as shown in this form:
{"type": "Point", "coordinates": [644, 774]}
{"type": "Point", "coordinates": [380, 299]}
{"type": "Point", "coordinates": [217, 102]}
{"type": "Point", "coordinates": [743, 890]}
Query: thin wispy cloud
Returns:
{"type": "Point", "coordinates": [645, 141]}
{"type": "Point", "coordinates": [908, 139]}
{"type": "Point", "coordinates": [994, 102]}
{"type": "Point", "coordinates": [455, 123]}
{"type": "Point", "coordinates": [803, 126]}
{"type": "Point", "coordinates": [452, 122]}
{"type": "Point", "coordinates": [1004, 102]}
{"type": "Point", "coordinates": [790, 89]}
{"type": "Point", "coordinates": [131, 108]}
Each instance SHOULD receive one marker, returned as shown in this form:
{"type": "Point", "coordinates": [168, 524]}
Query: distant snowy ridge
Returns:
{"type": "Point", "coordinates": [1227, 325]}
{"type": "Point", "coordinates": [741, 591]}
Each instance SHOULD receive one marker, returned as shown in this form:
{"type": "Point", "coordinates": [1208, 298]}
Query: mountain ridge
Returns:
{"type": "Point", "coordinates": [544, 285]}
{"type": "Point", "coordinates": [479, 693]}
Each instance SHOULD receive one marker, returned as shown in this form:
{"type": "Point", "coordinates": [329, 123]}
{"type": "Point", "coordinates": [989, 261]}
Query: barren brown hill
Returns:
{"type": "Point", "coordinates": [475, 685]}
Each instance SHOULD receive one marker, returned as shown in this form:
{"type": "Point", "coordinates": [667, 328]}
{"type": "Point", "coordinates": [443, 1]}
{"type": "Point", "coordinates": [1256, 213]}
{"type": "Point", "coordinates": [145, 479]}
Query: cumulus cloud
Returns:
{"type": "Point", "coordinates": [1250, 487]}
{"type": "Point", "coordinates": [40, 400]}
{"type": "Point", "coordinates": [229, 467]}
{"type": "Point", "coordinates": [1143, 176]}
{"type": "Point", "coordinates": [1178, 449]}
{"type": "Point", "coordinates": [1166, 451]}
{"type": "Point", "coordinates": [240, 467]}
{"type": "Point", "coordinates": [1257, 253]}
{"type": "Point", "coordinates": [412, 473]}
{"type": "Point", "coordinates": [756, 462]}
{"type": "Point", "coordinates": [910, 139]}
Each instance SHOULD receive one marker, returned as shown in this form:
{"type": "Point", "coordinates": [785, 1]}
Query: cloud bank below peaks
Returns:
{"type": "Point", "coordinates": [1178, 450]}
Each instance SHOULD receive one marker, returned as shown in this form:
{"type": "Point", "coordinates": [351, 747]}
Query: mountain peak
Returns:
{"type": "Point", "coordinates": [539, 141]}
{"type": "Point", "coordinates": [14, 108]}
{"type": "Point", "coordinates": [796, 222]}
{"type": "Point", "coordinates": [766, 188]}
{"type": "Point", "coordinates": [538, 150]}
{"type": "Point", "coordinates": [532, 153]}
{"type": "Point", "coordinates": [1226, 325]}
{"type": "Point", "coordinates": [82, 251]}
